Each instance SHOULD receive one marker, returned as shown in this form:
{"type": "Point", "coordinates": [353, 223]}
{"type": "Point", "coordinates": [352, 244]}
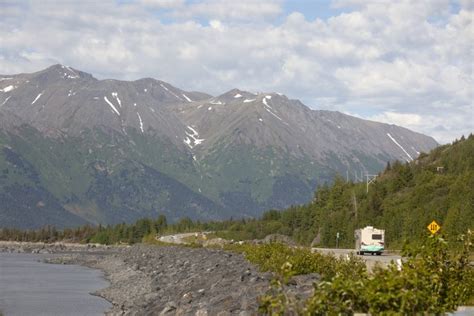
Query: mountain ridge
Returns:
{"type": "Point", "coordinates": [235, 154]}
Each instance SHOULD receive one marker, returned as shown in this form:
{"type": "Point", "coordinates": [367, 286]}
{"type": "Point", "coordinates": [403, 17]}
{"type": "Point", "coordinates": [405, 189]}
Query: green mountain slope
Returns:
{"type": "Point", "coordinates": [403, 200]}
{"type": "Point", "coordinates": [107, 151]}
{"type": "Point", "coordinates": [97, 177]}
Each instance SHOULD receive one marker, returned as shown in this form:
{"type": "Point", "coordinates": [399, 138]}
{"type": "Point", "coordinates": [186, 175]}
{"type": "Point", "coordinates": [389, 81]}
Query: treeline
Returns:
{"type": "Point", "coordinates": [140, 231]}
{"type": "Point", "coordinates": [403, 200]}
{"type": "Point", "coordinates": [48, 234]}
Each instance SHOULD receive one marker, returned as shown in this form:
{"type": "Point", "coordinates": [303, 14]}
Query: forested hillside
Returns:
{"type": "Point", "coordinates": [403, 200]}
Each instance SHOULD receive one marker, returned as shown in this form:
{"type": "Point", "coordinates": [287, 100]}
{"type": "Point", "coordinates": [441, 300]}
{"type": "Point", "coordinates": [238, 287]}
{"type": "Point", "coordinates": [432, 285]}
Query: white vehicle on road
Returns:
{"type": "Point", "coordinates": [369, 240]}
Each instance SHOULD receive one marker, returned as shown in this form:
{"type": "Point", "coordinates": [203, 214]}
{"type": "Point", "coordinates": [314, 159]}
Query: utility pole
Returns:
{"type": "Point", "coordinates": [370, 178]}
{"type": "Point", "coordinates": [354, 202]}
{"type": "Point", "coordinates": [356, 176]}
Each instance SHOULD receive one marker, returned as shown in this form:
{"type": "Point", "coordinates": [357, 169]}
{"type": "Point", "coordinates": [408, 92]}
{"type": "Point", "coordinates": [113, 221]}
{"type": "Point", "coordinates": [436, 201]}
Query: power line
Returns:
{"type": "Point", "coordinates": [370, 178]}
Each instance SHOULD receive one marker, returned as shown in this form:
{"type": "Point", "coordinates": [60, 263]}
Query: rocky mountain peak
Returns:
{"type": "Point", "coordinates": [60, 72]}
{"type": "Point", "coordinates": [233, 96]}
{"type": "Point", "coordinates": [132, 148]}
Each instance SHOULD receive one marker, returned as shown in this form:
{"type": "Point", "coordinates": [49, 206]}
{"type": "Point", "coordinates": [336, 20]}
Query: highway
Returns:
{"type": "Point", "coordinates": [371, 261]}
{"type": "Point", "coordinates": [383, 259]}
{"type": "Point", "coordinates": [176, 238]}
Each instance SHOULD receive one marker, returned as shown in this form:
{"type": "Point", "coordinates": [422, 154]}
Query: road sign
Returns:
{"type": "Point", "coordinates": [433, 227]}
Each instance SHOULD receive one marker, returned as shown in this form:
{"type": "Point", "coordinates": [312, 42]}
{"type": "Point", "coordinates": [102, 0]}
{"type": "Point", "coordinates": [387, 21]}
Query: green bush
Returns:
{"type": "Point", "coordinates": [276, 257]}
{"type": "Point", "coordinates": [433, 280]}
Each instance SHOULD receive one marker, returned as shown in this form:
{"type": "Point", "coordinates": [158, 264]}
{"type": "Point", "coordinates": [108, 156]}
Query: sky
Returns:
{"type": "Point", "coordinates": [402, 62]}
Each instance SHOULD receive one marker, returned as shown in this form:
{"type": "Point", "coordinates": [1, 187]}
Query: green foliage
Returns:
{"type": "Point", "coordinates": [276, 301]}
{"type": "Point", "coordinates": [276, 257]}
{"type": "Point", "coordinates": [403, 200]}
{"type": "Point", "coordinates": [48, 234]}
{"type": "Point", "coordinates": [433, 280]}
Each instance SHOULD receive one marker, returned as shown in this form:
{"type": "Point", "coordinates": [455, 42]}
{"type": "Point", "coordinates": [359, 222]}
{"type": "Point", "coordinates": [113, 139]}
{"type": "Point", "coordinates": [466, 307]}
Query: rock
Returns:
{"type": "Point", "coordinates": [292, 282]}
{"type": "Point", "coordinates": [151, 296]}
{"type": "Point", "coordinates": [216, 242]}
{"type": "Point", "coordinates": [280, 239]}
{"type": "Point", "coordinates": [201, 312]}
{"type": "Point", "coordinates": [169, 308]}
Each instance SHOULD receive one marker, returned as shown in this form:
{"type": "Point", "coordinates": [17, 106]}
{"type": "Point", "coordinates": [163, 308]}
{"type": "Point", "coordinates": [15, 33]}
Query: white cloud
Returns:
{"type": "Point", "coordinates": [444, 128]}
{"type": "Point", "coordinates": [224, 9]}
{"type": "Point", "coordinates": [389, 60]}
{"type": "Point", "coordinates": [216, 24]}
{"type": "Point", "coordinates": [166, 4]}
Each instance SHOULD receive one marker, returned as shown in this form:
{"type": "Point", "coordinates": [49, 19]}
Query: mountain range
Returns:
{"type": "Point", "coordinates": [77, 150]}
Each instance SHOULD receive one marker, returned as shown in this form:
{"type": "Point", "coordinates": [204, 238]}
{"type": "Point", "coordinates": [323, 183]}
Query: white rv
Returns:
{"type": "Point", "coordinates": [369, 240]}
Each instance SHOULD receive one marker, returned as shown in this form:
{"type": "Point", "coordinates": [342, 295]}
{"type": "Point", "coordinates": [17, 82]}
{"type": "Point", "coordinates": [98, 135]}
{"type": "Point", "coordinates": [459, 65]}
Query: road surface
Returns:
{"type": "Point", "coordinates": [384, 259]}
{"type": "Point", "coordinates": [176, 238]}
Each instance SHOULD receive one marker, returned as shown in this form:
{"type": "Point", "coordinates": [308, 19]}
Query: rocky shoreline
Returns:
{"type": "Point", "coordinates": [50, 248]}
{"type": "Point", "coordinates": [170, 280]}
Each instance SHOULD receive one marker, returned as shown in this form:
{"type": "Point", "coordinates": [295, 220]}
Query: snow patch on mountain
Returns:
{"type": "Point", "coordinates": [269, 111]}
{"type": "Point", "coordinates": [3, 103]}
{"type": "Point", "coordinates": [218, 102]}
{"type": "Point", "coordinates": [249, 100]}
{"type": "Point", "coordinates": [264, 100]}
{"type": "Point", "coordinates": [72, 74]}
{"type": "Point", "coordinates": [8, 88]}
{"type": "Point", "coordinates": [238, 95]}
{"type": "Point", "coordinates": [187, 141]}
{"type": "Point", "coordinates": [37, 97]}
{"type": "Point", "coordinates": [192, 139]}
{"type": "Point", "coordinates": [140, 121]}
{"type": "Point", "coordinates": [112, 106]}
{"type": "Point", "coordinates": [164, 87]}
{"type": "Point", "coordinates": [115, 95]}
{"type": "Point", "coordinates": [401, 147]}
{"type": "Point", "coordinates": [193, 130]}
{"type": "Point", "coordinates": [187, 98]}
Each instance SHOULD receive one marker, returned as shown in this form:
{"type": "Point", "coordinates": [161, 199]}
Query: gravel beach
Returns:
{"type": "Point", "coordinates": [170, 280]}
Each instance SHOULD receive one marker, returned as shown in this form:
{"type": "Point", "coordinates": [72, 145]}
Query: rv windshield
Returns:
{"type": "Point", "coordinates": [377, 237]}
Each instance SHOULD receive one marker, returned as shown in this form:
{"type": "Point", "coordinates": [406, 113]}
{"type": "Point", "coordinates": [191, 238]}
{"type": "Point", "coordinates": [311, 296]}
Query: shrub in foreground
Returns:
{"type": "Point", "coordinates": [274, 257]}
{"type": "Point", "coordinates": [433, 280]}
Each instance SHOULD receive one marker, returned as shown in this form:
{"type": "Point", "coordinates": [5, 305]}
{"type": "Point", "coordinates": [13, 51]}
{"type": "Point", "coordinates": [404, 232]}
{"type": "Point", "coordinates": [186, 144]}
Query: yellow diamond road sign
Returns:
{"type": "Point", "coordinates": [433, 227]}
